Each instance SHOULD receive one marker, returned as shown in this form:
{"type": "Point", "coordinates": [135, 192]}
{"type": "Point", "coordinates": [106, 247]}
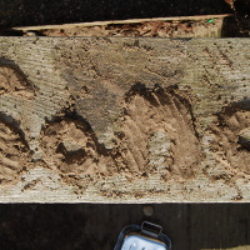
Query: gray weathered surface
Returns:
{"type": "Point", "coordinates": [131, 120]}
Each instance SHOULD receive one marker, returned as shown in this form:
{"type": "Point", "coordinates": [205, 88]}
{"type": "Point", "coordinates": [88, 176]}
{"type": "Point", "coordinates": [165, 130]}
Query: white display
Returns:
{"type": "Point", "coordinates": [137, 242]}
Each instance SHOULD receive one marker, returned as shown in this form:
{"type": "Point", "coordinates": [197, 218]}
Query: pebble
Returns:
{"type": "Point", "coordinates": [71, 146]}
{"type": "Point", "coordinates": [244, 138]}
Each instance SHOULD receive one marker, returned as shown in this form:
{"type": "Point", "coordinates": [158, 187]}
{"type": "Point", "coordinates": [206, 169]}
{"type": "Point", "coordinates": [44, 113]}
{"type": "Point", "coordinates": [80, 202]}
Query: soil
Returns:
{"type": "Point", "coordinates": [70, 146]}
{"type": "Point", "coordinates": [83, 147]}
{"type": "Point", "coordinates": [164, 126]}
{"type": "Point", "coordinates": [231, 149]}
{"type": "Point", "coordinates": [14, 154]}
{"type": "Point", "coordinates": [159, 147]}
{"type": "Point", "coordinates": [14, 82]}
{"type": "Point", "coordinates": [14, 151]}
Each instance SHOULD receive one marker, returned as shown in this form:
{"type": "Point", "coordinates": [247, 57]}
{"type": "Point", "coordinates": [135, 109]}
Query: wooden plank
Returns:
{"type": "Point", "coordinates": [128, 21]}
{"type": "Point", "coordinates": [191, 227]}
{"type": "Point", "coordinates": [203, 26]}
{"type": "Point", "coordinates": [124, 120]}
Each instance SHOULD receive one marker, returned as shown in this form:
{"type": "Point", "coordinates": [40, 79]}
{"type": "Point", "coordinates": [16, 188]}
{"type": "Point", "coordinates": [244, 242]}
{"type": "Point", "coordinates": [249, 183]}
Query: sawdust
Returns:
{"type": "Point", "coordinates": [69, 145]}
{"type": "Point", "coordinates": [231, 140]}
{"type": "Point", "coordinates": [154, 134]}
{"type": "Point", "coordinates": [14, 83]}
{"type": "Point", "coordinates": [165, 140]}
{"type": "Point", "coordinates": [14, 154]}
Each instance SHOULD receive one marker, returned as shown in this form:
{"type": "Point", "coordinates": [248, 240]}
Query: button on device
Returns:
{"type": "Point", "coordinates": [137, 242]}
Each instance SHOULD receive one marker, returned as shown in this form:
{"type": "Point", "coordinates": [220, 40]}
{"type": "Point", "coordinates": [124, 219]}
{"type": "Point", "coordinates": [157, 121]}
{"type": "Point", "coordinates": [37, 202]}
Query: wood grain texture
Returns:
{"type": "Point", "coordinates": [125, 119]}
{"type": "Point", "coordinates": [114, 22]}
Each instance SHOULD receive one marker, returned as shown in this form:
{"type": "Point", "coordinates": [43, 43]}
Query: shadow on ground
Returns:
{"type": "Point", "coordinates": [75, 227]}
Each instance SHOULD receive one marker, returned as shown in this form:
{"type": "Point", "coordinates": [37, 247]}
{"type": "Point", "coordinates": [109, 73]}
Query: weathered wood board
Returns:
{"type": "Point", "coordinates": [124, 120]}
{"type": "Point", "coordinates": [203, 26]}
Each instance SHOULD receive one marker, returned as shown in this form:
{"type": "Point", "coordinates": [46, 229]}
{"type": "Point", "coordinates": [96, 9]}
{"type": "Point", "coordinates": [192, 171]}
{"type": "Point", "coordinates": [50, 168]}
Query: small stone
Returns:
{"type": "Point", "coordinates": [160, 144]}
{"type": "Point", "coordinates": [71, 146]}
{"type": "Point", "coordinates": [39, 155]}
{"type": "Point", "coordinates": [107, 138]}
{"type": "Point", "coordinates": [159, 148]}
{"type": "Point", "coordinates": [244, 138]}
{"type": "Point", "coordinates": [30, 33]}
